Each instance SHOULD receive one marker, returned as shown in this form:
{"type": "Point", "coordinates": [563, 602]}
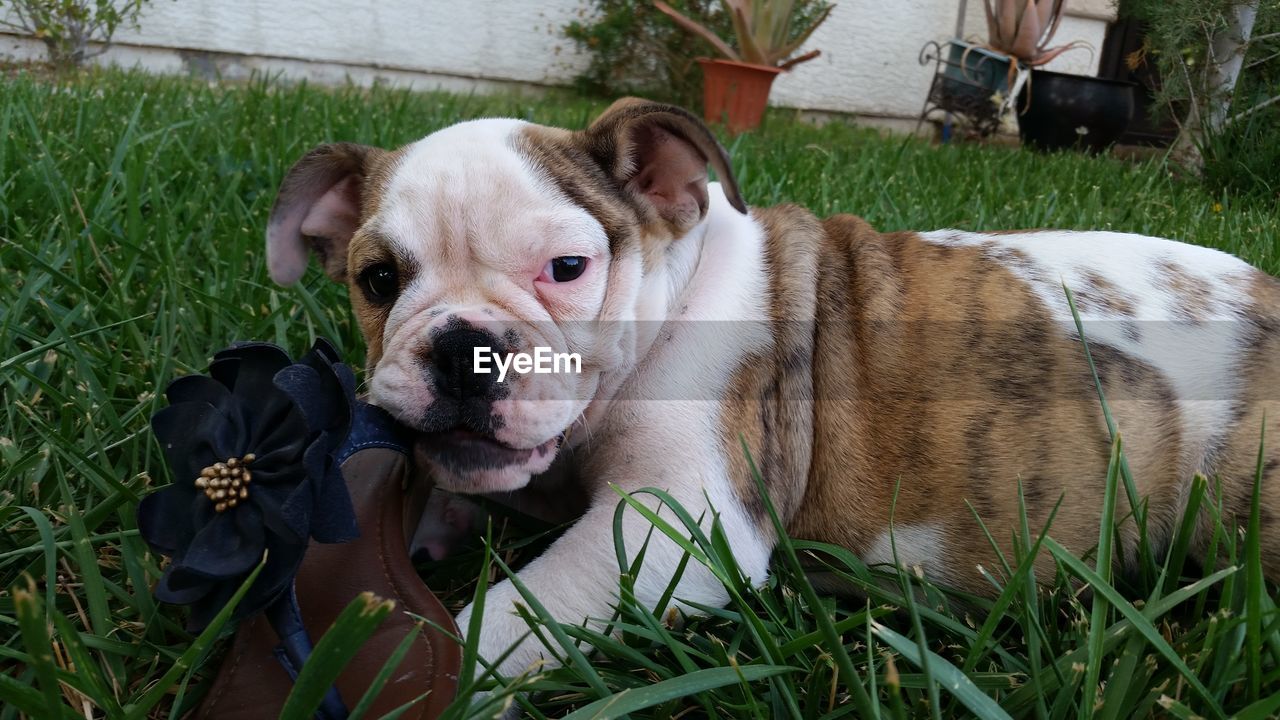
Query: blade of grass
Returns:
{"type": "Point", "coordinates": [397, 712]}
{"type": "Point", "coordinates": [1099, 614]}
{"type": "Point", "coordinates": [49, 549]}
{"type": "Point", "coordinates": [908, 595]}
{"type": "Point", "coordinates": [384, 673]}
{"type": "Point", "coordinates": [632, 700]}
{"type": "Point", "coordinates": [570, 648]}
{"type": "Point", "coordinates": [852, 679]}
{"type": "Point", "coordinates": [35, 637]}
{"type": "Point", "coordinates": [470, 648]}
{"type": "Point", "coordinates": [702, 549]}
{"type": "Point", "coordinates": [86, 670]}
{"type": "Point", "coordinates": [139, 709]}
{"type": "Point", "coordinates": [1121, 629]}
{"type": "Point", "coordinates": [23, 697]}
{"type": "Point", "coordinates": [1130, 487]}
{"type": "Point", "coordinates": [353, 626]}
{"type": "Point", "coordinates": [1139, 622]}
{"type": "Point", "coordinates": [1175, 561]}
{"type": "Point", "coordinates": [950, 676]}
{"type": "Point", "coordinates": [1255, 584]}
{"type": "Point", "coordinates": [87, 563]}
{"type": "Point", "coordinates": [1263, 709]}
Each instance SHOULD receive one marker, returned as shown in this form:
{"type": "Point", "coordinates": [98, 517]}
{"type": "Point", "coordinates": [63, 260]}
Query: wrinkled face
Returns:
{"type": "Point", "coordinates": [473, 261]}
{"type": "Point", "coordinates": [496, 269]}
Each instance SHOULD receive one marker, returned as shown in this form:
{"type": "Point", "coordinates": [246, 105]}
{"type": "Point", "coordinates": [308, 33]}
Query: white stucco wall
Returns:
{"type": "Point", "coordinates": [868, 64]}
{"type": "Point", "coordinates": [870, 48]}
{"type": "Point", "coordinates": [502, 39]}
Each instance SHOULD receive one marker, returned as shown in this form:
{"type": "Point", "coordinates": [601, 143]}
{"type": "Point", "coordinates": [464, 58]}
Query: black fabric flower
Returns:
{"type": "Point", "coordinates": [252, 448]}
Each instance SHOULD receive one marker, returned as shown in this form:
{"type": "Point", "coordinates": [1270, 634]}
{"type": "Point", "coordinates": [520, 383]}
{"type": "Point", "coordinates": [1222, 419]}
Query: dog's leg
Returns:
{"type": "Point", "coordinates": [576, 580]}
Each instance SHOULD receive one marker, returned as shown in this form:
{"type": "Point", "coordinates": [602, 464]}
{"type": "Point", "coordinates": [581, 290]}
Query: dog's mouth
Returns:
{"type": "Point", "coordinates": [463, 451]}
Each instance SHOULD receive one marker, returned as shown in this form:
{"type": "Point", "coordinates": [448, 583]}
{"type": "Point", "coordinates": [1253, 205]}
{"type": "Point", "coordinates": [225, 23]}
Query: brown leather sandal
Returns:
{"type": "Point", "coordinates": [252, 684]}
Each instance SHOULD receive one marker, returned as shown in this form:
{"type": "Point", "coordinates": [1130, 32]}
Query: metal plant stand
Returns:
{"type": "Point", "coordinates": [968, 82]}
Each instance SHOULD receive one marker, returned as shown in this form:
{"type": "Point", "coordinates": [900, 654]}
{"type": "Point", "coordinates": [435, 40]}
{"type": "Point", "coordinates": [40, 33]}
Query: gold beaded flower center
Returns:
{"type": "Point", "coordinates": [226, 483]}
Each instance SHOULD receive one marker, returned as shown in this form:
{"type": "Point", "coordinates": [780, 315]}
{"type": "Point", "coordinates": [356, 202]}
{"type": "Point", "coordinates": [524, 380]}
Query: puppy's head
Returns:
{"type": "Point", "coordinates": [500, 242]}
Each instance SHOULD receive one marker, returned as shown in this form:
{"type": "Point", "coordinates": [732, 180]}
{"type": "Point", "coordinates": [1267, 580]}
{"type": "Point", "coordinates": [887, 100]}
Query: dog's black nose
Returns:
{"type": "Point", "coordinates": [453, 363]}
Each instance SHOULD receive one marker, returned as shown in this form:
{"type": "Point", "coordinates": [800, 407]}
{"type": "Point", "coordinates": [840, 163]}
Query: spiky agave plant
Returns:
{"type": "Point", "coordinates": [762, 29]}
{"type": "Point", "coordinates": [1024, 28]}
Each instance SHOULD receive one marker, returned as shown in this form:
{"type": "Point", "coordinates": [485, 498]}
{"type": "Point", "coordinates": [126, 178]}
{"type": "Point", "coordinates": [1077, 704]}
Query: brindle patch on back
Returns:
{"type": "Point", "coordinates": [1100, 295]}
{"type": "Point", "coordinates": [1194, 299]}
{"type": "Point", "coordinates": [939, 375]}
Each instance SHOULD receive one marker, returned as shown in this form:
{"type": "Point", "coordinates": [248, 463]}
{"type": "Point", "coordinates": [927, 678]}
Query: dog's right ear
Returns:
{"type": "Point", "coordinates": [659, 153]}
{"type": "Point", "coordinates": [318, 207]}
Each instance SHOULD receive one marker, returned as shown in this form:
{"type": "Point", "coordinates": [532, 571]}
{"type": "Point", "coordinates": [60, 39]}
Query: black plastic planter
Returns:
{"type": "Point", "coordinates": [1073, 111]}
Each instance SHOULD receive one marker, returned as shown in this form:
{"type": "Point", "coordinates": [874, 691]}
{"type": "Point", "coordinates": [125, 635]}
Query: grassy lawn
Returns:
{"type": "Point", "coordinates": [132, 211]}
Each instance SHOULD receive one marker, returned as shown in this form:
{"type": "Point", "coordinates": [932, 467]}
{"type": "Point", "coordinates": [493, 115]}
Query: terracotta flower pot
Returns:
{"type": "Point", "coordinates": [735, 92]}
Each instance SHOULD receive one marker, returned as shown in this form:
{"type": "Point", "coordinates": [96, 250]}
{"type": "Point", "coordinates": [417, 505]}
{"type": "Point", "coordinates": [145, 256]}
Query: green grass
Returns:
{"type": "Point", "coordinates": [131, 220]}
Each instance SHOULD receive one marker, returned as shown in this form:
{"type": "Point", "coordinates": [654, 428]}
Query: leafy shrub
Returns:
{"type": "Point", "coordinates": [1242, 154]}
{"type": "Point", "coordinates": [1244, 158]}
{"type": "Point", "coordinates": [66, 27]}
{"type": "Point", "coordinates": [636, 50]}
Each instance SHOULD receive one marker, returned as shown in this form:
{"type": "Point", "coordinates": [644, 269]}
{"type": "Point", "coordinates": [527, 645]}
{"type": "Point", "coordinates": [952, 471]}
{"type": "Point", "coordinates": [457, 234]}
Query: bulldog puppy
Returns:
{"type": "Point", "coordinates": [943, 366]}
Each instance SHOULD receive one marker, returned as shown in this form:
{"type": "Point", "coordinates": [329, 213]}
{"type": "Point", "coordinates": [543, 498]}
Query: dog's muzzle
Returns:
{"type": "Point", "coordinates": [451, 365]}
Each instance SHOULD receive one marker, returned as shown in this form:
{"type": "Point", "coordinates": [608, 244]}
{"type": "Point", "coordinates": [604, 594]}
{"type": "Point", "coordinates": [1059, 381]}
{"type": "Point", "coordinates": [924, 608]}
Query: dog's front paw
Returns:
{"type": "Point", "coordinates": [501, 630]}
{"type": "Point", "coordinates": [505, 637]}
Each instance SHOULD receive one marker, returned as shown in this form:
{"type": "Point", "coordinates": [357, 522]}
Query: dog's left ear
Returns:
{"type": "Point", "coordinates": [318, 209]}
{"type": "Point", "coordinates": [659, 153]}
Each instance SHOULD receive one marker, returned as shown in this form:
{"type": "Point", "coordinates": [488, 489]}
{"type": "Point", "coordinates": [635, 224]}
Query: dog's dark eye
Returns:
{"type": "Point", "coordinates": [565, 269]}
{"type": "Point", "coordinates": [381, 282]}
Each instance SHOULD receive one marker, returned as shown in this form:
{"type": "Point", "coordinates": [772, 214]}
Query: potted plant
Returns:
{"type": "Point", "coordinates": [736, 89]}
{"type": "Point", "coordinates": [1058, 110]}
{"type": "Point", "coordinates": [1024, 28]}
